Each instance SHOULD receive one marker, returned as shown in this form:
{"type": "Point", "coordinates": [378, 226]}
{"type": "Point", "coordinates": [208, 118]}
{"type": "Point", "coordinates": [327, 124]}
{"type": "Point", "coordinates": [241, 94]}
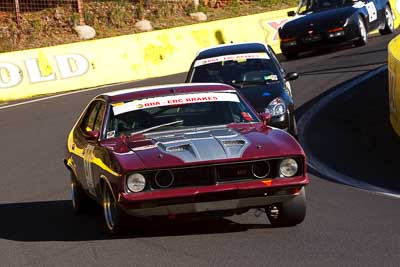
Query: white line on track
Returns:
{"type": "Point", "coordinates": [313, 162]}
{"type": "Point", "coordinates": [52, 97]}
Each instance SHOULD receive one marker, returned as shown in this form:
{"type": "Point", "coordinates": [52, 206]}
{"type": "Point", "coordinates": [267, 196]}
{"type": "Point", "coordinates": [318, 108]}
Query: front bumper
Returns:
{"type": "Point", "coordinates": [221, 197]}
{"type": "Point", "coordinates": [199, 207]}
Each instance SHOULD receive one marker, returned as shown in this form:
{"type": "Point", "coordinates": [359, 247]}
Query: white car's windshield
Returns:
{"type": "Point", "coordinates": [310, 6]}
{"type": "Point", "coordinates": [177, 112]}
{"type": "Point", "coordinates": [231, 69]}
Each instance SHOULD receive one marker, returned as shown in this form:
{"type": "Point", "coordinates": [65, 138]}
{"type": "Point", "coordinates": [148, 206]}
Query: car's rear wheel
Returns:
{"type": "Point", "coordinates": [389, 21]}
{"type": "Point", "coordinates": [114, 217]}
{"type": "Point", "coordinates": [81, 202]}
{"type": "Point", "coordinates": [288, 213]}
{"type": "Point", "coordinates": [363, 39]}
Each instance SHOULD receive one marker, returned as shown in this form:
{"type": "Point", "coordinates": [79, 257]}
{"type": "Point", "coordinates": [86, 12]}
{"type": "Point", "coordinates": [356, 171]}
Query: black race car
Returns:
{"type": "Point", "coordinates": [318, 23]}
{"type": "Point", "coordinates": [254, 69]}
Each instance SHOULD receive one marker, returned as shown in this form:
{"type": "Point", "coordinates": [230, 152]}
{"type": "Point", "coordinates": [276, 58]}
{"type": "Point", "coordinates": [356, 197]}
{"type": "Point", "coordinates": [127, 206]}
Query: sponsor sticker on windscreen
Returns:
{"type": "Point", "coordinates": [174, 100]}
{"type": "Point", "coordinates": [237, 57]}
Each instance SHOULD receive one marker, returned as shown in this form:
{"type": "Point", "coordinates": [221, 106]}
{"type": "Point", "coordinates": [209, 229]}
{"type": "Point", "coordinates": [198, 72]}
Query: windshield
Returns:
{"type": "Point", "coordinates": [310, 6]}
{"type": "Point", "coordinates": [230, 69]}
{"type": "Point", "coordinates": [177, 112]}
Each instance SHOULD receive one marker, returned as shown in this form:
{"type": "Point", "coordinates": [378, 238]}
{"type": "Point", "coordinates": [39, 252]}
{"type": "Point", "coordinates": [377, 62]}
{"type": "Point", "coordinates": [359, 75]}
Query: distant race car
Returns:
{"type": "Point", "coordinates": [194, 149]}
{"type": "Point", "coordinates": [319, 23]}
{"type": "Point", "coordinates": [255, 71]}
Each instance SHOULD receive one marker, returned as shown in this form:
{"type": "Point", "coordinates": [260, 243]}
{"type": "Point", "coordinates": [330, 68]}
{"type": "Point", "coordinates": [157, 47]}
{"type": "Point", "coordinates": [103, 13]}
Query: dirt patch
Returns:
{"type": "Point", "coordinates": [53, 25]}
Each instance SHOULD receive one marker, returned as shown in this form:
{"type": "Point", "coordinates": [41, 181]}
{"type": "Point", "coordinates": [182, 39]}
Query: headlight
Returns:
{"type": "Point", "coordinates": [276, 107]}
{"type": "Point", "coordinates": [336, 32]}
{"type": "Point", "coordinates": [136, 182]}
{"type": "Point", "coordinates": [288, 168]}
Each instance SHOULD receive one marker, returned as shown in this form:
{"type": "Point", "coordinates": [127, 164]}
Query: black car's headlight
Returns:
{"type": "Point", "coordinates": [288, 168]}
{"type": "Point", "coordinates": [336, 32]}
{"type": "Point", "coordinates": [289, 42]}
{"type": "Point", "coordinates": [136, 182]}
{"type": "Point", "coordinates": [276, 107]}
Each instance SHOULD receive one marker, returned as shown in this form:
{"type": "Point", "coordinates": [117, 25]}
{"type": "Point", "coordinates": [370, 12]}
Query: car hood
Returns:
{"type": "Point", "coordinates": [319, 21]}
{"type": "Point", "coordinates": [212, 145]}
{"type": "Point", "coordinates": [260, 95]}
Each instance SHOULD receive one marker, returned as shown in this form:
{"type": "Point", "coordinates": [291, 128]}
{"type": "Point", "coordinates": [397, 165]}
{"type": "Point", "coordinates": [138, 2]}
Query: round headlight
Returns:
{"type": "Point", "coordinates": [280, 109]}
{"type": "Point", "coordinates": [276, 107]}
{"type": "Point", "coordinates": [288, 168]}
{"type": "Point", "coordinates": [136, 182]}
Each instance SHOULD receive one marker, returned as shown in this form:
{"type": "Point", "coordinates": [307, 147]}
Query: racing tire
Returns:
{"type": "Point", "coordinates": [389, 22]}
{"type": "Point", "coordinates": [288, 213]}
{"type": "Point", "coordinates": [290, 55]}
{"type": "Point", "coordinates": [81, 202]}
{"type": "Point", "coordinates": [114, 217]}
{"type": "Point", "coordinates": [363, 40]}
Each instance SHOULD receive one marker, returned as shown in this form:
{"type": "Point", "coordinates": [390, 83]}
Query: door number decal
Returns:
{"type": "Point", "coordinates": [87, 162]}
{"type": "Point", "coordinates": [372, 14]}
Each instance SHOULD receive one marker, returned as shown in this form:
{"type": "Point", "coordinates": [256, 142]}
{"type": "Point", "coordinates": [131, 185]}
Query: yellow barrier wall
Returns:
{"type": "Point", "coordinates": [126, 58]}
{"type": "Point", "coordinates": [131, 57]}
{"type": "Point", "coordinates": [395, 5]}
{"type": "Point", "coordinates": [394, 83]}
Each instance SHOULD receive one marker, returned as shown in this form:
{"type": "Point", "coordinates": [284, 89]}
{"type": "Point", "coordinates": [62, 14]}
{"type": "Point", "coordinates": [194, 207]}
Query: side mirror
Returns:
{"type": "Point", "coordinates": [291, 13]}
{"type": "Point", "coordinates": [93, 135]}
{"type": "Point", "coordinates": [291, 76]}
{"type": "Point", "coordinates": [265, 117]}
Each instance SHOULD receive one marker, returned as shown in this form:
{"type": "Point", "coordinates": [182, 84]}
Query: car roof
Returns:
{"type": "Point", "coordinates": [231, 49]}
{"type": "Point", "coordinates": [159, 90]}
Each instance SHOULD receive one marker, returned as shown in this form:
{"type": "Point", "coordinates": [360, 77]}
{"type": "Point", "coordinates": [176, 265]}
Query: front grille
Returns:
{"type": "Point", "coordinates": [216, 174]}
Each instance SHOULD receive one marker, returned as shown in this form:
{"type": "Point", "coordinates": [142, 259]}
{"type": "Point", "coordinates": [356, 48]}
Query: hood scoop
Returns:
{"type": "Point", "coordinates": [230, 143]}
{"type": "Point", "coordinates": [206, 145]}
{"type": "Point", "coordinates": [175, 147]}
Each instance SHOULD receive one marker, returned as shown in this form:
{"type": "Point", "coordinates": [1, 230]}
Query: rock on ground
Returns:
{"type": "Point", "coordinates": [143, 25]}
{"type": "Point", "coordinates": [85, 32]}
{"type": "Point", "coordinates": [199, 16]}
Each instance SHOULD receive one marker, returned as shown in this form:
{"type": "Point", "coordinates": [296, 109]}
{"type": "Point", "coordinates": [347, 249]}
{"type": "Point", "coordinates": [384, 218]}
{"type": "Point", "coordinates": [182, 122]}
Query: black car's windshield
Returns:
{"type": "Point", "coordinates": [310, 6]}
{"type": "Point", "coordinates": [176, 112]}
{"type": "Point", "coordinates": [231, 69]}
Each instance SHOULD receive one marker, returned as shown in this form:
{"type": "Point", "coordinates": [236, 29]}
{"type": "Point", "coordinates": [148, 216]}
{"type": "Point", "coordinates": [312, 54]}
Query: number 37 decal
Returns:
{"type": "Point", "coordinates": [87, 160]}
{"type": "Point", "coordinates": [372, 13]}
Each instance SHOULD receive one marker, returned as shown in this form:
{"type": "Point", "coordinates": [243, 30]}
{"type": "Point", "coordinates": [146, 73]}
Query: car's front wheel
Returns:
{"type": "Point", "coordinates": [389, 21]}
{"type": "Point", "coordinates": [115, 218]}
{"type": "Point", "coordinates": [288, 213]}
{"type": "Point", "coordinates": [363, 39]}
{"type": "Point", "coordinates": [81, 202]}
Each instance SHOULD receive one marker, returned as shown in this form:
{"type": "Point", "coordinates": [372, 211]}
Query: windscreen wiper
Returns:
{"type": "Point", "coordinates": [243, 83]}
{"type": "Point", "coordinates": [156, 127]}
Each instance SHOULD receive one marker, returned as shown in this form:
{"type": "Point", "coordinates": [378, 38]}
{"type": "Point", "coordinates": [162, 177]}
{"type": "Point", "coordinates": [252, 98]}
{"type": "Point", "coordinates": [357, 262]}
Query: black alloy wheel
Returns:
{"type": "Point", "coordinates": [389, 22]}
{"type": "Point", "coordinates": [363, 40]}
{"type": "Point", "coordinates": [114, 217]}
{"type": "Point", "coordinates": [81, 202]}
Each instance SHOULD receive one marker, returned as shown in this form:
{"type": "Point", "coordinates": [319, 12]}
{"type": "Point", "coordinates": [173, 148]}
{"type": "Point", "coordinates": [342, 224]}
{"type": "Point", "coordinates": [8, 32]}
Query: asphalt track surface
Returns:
{"type": "Point", "coordinates": [345, 226]}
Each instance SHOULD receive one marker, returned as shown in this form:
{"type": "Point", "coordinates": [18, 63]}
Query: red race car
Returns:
{"type": "Point", "coordinates": [194, 149]}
